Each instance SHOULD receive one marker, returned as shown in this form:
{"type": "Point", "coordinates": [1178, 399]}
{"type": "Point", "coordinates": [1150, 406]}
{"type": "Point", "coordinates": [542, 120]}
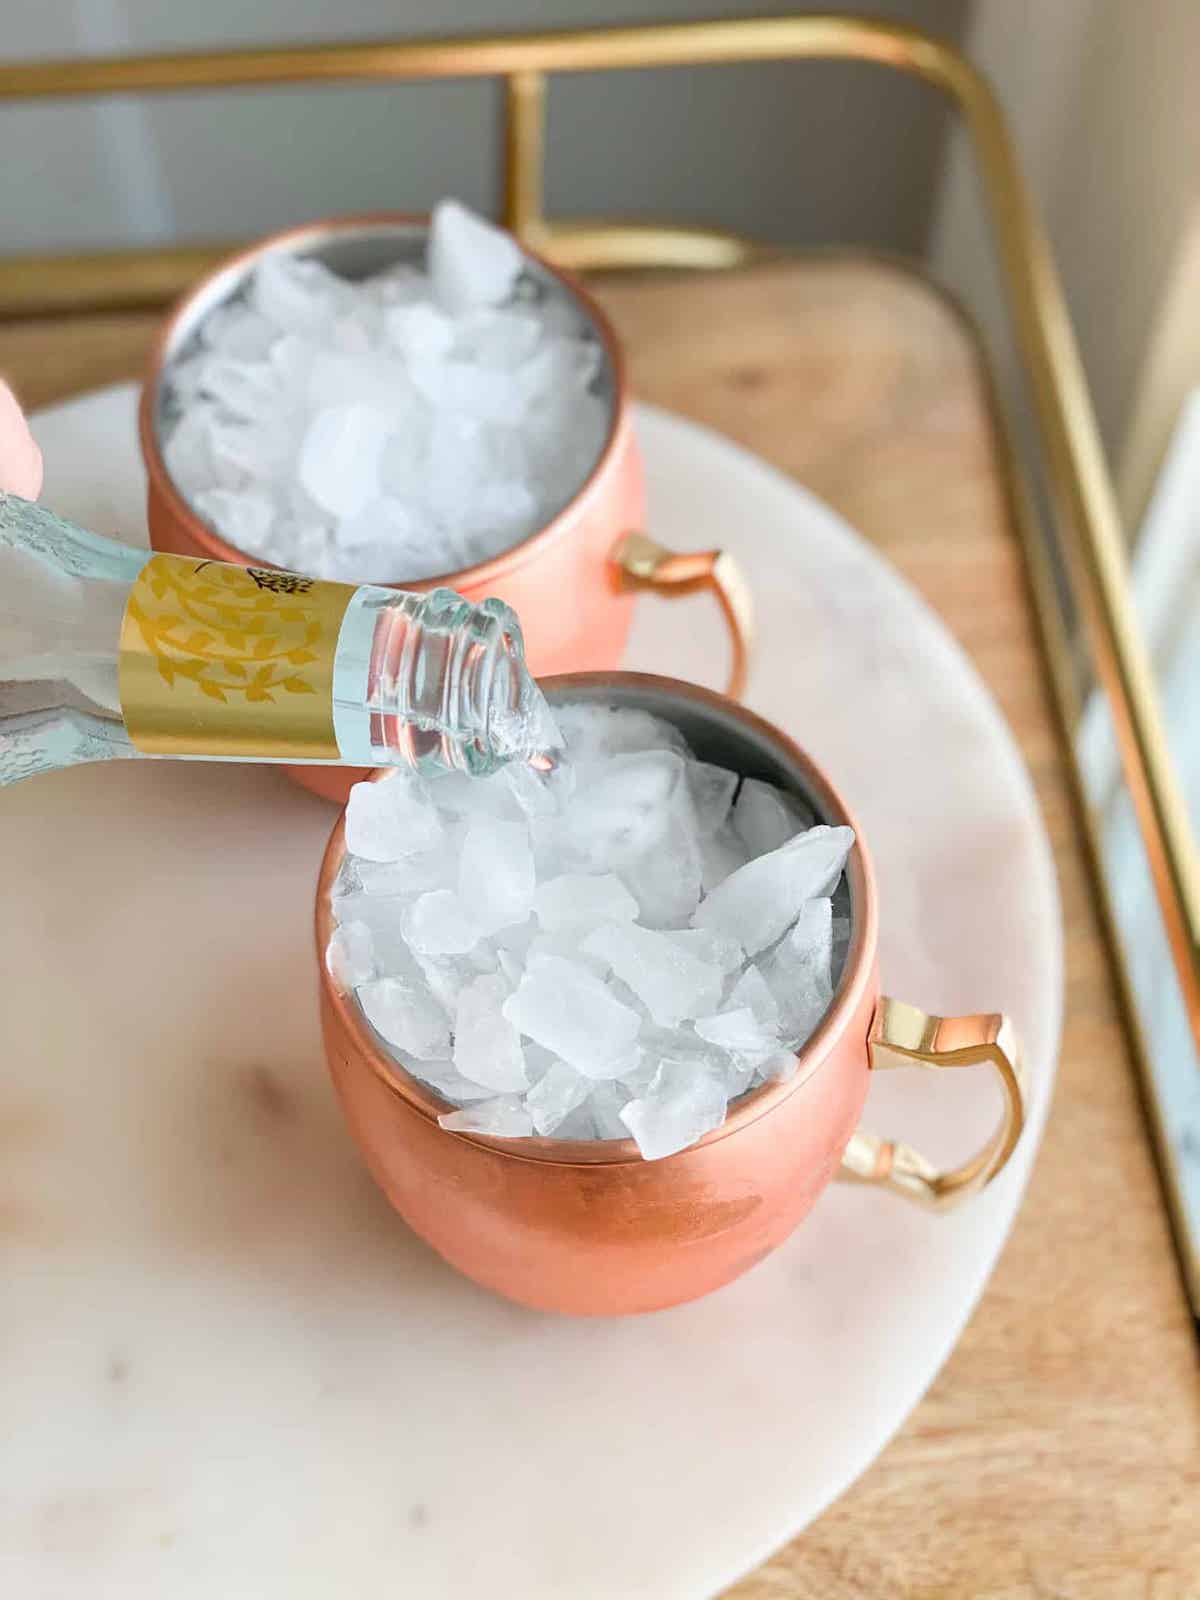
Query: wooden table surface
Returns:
{"type": "Point", "coordinates": [1058, 1453]}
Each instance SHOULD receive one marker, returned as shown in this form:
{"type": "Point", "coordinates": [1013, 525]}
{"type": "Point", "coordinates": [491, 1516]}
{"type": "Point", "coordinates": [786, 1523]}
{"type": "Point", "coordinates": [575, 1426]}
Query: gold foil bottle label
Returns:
{"type": "Point", "coordinates": [219, 660]}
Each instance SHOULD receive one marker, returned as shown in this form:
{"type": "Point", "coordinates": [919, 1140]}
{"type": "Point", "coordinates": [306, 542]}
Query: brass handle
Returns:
{"type": "Point", "coordinates": [684, 572]}
{"type": "Point", "coordinates": [902, 1036]}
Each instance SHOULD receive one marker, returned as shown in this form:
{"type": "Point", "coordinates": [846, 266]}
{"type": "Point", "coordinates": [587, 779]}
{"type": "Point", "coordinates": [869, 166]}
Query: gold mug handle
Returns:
{"type": "Point", "coordinates": [649, 565]}
{"type": "Point", "coordinates": [903, 1036]}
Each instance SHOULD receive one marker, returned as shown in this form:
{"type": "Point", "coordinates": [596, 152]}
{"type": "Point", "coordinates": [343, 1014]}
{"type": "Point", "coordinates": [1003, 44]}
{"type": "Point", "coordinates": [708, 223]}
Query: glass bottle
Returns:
{"type": "Point", "coordinates": [108, 652]}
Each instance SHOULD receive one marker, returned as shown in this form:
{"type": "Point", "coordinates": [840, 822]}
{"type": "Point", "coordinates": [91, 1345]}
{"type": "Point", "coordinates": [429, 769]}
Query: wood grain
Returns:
{"type": "Point", "coordinates": [1058, 1453]}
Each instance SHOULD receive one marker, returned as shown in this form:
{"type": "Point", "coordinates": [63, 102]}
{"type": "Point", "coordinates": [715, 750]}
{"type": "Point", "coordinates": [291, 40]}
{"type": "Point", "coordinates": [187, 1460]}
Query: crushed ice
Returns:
{"type": "Point", "coordinates": [556, 960]}
{"type": "Point", "coordinates": [397, 428]}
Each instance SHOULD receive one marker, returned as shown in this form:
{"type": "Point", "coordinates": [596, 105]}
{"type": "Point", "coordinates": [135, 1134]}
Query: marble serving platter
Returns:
{"type": "Point", "coordinates": [226, 1368]}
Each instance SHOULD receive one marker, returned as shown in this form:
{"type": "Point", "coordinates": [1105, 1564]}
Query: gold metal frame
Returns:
{"type": "Point", "coordinates": [1086, 508]}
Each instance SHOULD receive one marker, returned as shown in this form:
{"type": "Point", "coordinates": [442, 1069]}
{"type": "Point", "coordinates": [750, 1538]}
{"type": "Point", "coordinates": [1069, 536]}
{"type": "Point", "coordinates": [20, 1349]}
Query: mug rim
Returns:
{"type": "Point", "coordinates": [286, 240]}
{"type": "Point", "coordinates": [857, 971]}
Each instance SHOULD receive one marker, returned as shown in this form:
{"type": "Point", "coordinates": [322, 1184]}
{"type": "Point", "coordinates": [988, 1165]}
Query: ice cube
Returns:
{"type": "Point", "coordinates": [621, 796]}
{"type": "Point", "coordinates": [340, 455]}
{"type": "Point", "coordinates": [511, 967]}
{"type": "Point", "coordinates": [471, 263]}
{"type": "Point", "coordinates": [292, 358]}
{"type": "Point", "coordinates": [352, 333]}
{"type": "Point", "coordinates": [762, 899]}
{"type": "Point", "coordinates": [711, 789]}
{"type": "Point", "coordinates": [236, 330]}
{"type": "Point", "coordinates": [671, 982]}
{"type": "Point", "coordinates": [593, 733]}
{"type": "Point", "coordinates": [555, 1095]}
{"type": "Point", "coordinates": [406, 1017]}
{"type": "Point", "coordinates": [721, 854]}
{"type": "Point", "coordinates": [295, 295]}
{"type": "Point", "coordinates": [605, 1104]}
{"type": "Point", "coordinates": [447, 976]}
{"type": "Point", "coordinates": [495, 877]}
{"type": "Point", "coordinates": [535, 728]}
{"type": "Point", "coordinates": [419, 329]}
{"type": "Point", "coordinates": [467, 796]}
{"type": "Point", "coordinates": [558, 367]}
{"type": "Point", "coordinates": [566, 1008]}
{"type": "Point", "coordinates": [248, 390]}
{"type": "Point", "coordinates": [680, 1106]}
{"type": "Point", "coordinates": [385, 521]}
{"type": "Point", "coordinates": [243, 452]}
{"type": "Point", "coordinates": [487, 1048]}
{"type": "Point", "coordinates": [537, 794]}
{"type": "Point", "coordinates": [187, 451]}
{"type": "Point", "coordinates": [546, 838]}
{"type": "Point", "coordinates": [581, 900]}
{"type": "Point", "coordinates": [675, 1043]}
{"type": "Point", "coordinates": [777, 1068]}
{"type": "Point", "coordinates": [473, 391]}
{"type": "Point", "coordinates": [445, 1080]}
{"type": "Point", "coordinates": [390, 819]}
{"type": "Point", "coordinates": [566, 944]}
{"type": "Point", "coordinates": [503, 1117]}
{"type": "Point", "coordinates": [383, 915]}
{"type": "Point", "coordinates": [241, 516]}
{"type": "Point", "coordinates": [515, 940]}
{"type": "Point", "coordinates": [455, 468]}
{"type": "Point", "coordinates": [577, 1124]}
{"type": "Point", "coordinates": [621, 807]}
{"type": "Point", "coordinates": [401, 285]}
{"type": "Point", "coordinates": [346, 378]}
{"type": "Point", "coordinates": [798, 972]}
{"type": "Point", "coordinates": [503, 340]}
{"type": "Point", "coordinates": [402, 468]}
{"type": "Point", "coordinates": [349, 956]}
{"type": "Point", "coordinates": [751, 989]}
{"type": "Point", "coordinates": [437, 923]}
{"type": "Point", "coordinates": [182, 380]}
{"type": "Point", "coordinates": [638, 1073]}
{"type": "Point", "coordinates": [666, 880]}
{"type": "Point", "coordinates": [349, 877]}
{"type": "Point", "coordinates": [413, 875]}
{"type": "Point", "coordinates": [632, 815]}
{"type": "Point", "coordinates": [710, 947]}
{"type": "Point", "coordinates": [765, 817]}
{"type": "Point", "coordinates": [740, 1032]}
{"type": "Point", "coordinates": [308, 548]}
{"type": "Point", "coordinates": [498, 511]}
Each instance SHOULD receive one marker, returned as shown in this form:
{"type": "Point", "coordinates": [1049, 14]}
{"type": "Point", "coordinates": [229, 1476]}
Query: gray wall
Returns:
{"type": "Point", "coordinates": [801, 153]}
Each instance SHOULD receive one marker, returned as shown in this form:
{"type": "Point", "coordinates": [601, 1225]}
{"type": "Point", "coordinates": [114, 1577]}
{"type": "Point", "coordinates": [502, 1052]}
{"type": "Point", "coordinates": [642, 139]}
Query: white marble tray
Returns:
{"type": "Point", "coordinates": [227, 1369]}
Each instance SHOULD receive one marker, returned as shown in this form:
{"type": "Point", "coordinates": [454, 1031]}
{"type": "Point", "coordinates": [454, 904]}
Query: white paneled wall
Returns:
{"type": "Point", "coordinates": [794, 153]}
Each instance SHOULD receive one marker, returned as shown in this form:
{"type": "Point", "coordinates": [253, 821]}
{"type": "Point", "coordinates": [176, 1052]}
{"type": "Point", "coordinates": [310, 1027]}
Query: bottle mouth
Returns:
{"type": "Point", "coordinates": [518, 724]}
{"type": "Point", "coordinates": [448, 686]}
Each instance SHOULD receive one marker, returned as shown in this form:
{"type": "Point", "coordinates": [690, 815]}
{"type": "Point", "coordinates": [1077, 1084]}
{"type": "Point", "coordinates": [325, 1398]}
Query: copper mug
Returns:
{"type": "Point", "coordinates": [572, 583]}
{"type": "Point", "coordinates": [592, 1228]}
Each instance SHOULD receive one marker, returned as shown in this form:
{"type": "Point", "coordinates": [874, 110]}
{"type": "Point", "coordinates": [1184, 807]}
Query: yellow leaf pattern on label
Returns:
{"type": "Point", "coordinates": [224, 660]}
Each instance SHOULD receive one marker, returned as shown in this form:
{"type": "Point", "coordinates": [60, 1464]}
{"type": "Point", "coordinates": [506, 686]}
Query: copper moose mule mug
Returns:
{"type": "Point", "coordinates": [572, 583]}
{"type": "Point", "coordinates": [589, 1227]}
